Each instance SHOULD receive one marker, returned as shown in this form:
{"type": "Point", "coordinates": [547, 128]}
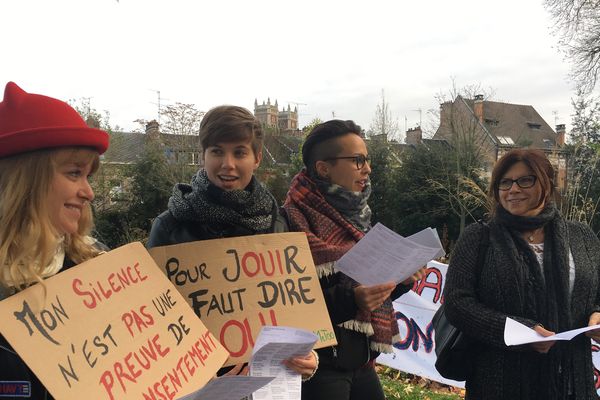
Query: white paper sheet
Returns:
{"type": "Point", "coordinates": [430, 238]}
{"type": "Point", "coordinates": [516, 333]}
{"type": "Point", "coordinates": [384, 256]}
{"type": "Point", "coordinates": [229, 388]}
{"type": "Point", "coordinates": [273, 345]}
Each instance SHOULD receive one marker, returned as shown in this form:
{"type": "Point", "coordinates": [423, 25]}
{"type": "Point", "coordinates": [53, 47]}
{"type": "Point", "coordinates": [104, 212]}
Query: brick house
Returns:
{"type": "Point", "coordinates": [498, 127]}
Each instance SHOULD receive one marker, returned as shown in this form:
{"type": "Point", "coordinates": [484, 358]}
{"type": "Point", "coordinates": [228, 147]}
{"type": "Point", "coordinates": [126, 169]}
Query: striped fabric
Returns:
{"type": "Point", "coordinates": [330, 236]}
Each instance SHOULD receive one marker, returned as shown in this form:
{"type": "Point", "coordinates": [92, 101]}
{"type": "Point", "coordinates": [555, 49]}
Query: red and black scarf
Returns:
{"type": "Point", "coordinates": [330, 236]}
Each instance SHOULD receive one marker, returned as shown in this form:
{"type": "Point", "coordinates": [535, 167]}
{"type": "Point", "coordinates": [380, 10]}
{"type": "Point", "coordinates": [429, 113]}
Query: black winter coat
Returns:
{"type": "Point", "coordinates": [166, 230]}
{"type": "Point", "coordinates": [353, 348]}
{"type": "Point", "coordinates": [476, 297]}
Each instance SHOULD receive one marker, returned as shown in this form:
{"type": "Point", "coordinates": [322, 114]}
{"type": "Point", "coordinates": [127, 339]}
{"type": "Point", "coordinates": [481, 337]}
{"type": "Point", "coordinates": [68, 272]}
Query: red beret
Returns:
{"type": "Point", "coordinates": [31, 122]}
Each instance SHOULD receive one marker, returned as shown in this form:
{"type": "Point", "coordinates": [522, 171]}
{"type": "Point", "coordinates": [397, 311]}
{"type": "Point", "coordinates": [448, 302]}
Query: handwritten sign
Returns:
{"type": "Point", "coordinates": [237, 285]}
{"type": "Point", "coordinates": [111, 328]}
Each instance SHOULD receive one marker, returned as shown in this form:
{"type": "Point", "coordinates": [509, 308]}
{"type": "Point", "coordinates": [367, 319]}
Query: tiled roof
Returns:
{"type": "Point", "coordinates": [125, 147]}
{"type": "Point", "coordinates": [521, 123]}
{"type": "Point", "coordinates": [280, 149]}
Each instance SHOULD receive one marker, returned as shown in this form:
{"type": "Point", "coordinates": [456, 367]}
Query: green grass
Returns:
{"type": "Point", "coordinates": [400, 386]}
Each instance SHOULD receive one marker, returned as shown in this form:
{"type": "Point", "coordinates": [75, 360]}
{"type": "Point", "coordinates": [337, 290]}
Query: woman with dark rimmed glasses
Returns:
{"type": "Point", "coordinates": [531, 265]}
{"type": "Point", "coordinates": [328, 201]}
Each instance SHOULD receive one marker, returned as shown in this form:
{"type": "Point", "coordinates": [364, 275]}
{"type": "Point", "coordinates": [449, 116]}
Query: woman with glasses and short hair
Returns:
{"type": "Point", "coordinates": [328, 201]}
{"type": "Point", "coordinates": [531, 265]}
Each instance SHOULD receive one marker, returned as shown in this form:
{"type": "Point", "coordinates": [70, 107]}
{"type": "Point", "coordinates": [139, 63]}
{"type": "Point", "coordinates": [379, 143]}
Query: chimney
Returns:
{"type": "Point", "coordinates": [560, 135]}
{"type": "Point", "coordinates": [445, 113]}
{"type": "Point", "coordinates": [478, 107]}
{"type": "Point", "coordinates": [152, 129]}
{"type": "Point", "coordinates": [414, 136]}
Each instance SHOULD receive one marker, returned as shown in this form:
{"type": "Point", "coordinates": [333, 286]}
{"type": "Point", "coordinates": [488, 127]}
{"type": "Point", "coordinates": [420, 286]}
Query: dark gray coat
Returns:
{"type": "Point", "coordinates": [477, 299]}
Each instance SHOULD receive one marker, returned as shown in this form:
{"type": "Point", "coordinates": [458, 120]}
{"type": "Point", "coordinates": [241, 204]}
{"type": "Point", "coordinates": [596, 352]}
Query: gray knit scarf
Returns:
{"type": "Point", "coordinates": [352, 205]}
{"type": "Point", "coordinates": [252, 208]}
{"type": "Point", "coordinates": [543, 294]}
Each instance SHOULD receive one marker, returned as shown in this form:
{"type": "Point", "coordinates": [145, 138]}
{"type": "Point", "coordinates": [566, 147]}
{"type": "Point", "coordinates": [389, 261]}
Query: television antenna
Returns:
{"type": "Point", "coordinates": [158, 103]}
{"type": "Point", "coordinates": [297, 104]}
{"type": "Point", "coordinates": [420, 111]}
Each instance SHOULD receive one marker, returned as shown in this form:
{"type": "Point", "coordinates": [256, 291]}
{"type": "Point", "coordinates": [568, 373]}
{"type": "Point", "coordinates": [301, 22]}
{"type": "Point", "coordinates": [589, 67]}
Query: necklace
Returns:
{"type": "Point", "coordinates": [531, 236]}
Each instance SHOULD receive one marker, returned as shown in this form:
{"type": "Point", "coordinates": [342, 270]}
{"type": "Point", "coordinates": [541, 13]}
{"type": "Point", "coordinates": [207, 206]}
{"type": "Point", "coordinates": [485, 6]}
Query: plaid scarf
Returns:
{"type": "Point", "coordinates": [330, 236]}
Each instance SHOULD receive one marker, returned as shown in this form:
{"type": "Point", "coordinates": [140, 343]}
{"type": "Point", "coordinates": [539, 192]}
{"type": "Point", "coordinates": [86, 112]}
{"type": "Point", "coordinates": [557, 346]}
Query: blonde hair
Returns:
{"type": "Point", "coordinates": [28, 240]}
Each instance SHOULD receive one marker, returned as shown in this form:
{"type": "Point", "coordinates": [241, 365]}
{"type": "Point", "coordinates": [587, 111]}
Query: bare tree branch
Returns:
{"type": "Point", "coordinates": [577, 25]}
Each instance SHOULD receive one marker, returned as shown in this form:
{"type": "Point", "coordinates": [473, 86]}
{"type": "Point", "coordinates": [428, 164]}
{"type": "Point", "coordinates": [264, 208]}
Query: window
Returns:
{"type": "Point", "coordinates": [505, 140]}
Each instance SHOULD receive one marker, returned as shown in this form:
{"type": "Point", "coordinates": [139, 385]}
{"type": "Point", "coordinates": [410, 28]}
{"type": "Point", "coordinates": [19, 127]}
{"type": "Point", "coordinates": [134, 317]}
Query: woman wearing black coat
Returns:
{"type": "Point", "coordinates": [224, 198]}
{"type": "Point", "coordinates": [538, 269]}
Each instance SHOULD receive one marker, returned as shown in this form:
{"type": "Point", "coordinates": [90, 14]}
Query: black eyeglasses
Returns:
{"type": "Point", "coordinates": [523, 182]}
{"type": "Point", "coordinates": [360, 160]}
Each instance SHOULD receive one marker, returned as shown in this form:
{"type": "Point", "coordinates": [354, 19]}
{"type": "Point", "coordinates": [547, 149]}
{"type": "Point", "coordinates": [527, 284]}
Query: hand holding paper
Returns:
{"type": "Point", "coordinates": [369, 298]}
{"type": "Point", "coordinates": [545, 346]}
{"type": "Point", "coordinates": [417, 276]}
{"type": "Point", "coordinates": [516, 333]}
{"type": "Point", "coordinates": [274, 345]}
{"type": "Point", "coordinates": [304, 365]}
{"type": "Point", "coordinates": [594, 320]}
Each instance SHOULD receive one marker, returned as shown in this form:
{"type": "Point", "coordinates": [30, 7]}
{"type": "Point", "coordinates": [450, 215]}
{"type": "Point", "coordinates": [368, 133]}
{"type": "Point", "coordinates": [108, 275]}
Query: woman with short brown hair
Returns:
{"type": "Point", "coordinates": [224, 198]}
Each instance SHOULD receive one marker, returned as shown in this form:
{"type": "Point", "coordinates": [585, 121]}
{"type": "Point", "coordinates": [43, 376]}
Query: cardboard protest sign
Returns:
{"type": "Point", "coordinates": [111, 328]}
{"type": "Point", "coordinates": [237, 285]}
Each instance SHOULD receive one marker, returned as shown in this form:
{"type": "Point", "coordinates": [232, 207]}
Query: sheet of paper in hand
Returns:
{"type": "Point", "coordinates": [384, 256]}
{"type": "Point", "coordinates": [515, 333]}
{"type": "Point", "coordinates": [274, 345]}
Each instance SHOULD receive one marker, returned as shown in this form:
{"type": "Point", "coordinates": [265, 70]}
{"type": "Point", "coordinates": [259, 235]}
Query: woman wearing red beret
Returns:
{"type": "Point", "coordinates": [47, 154]}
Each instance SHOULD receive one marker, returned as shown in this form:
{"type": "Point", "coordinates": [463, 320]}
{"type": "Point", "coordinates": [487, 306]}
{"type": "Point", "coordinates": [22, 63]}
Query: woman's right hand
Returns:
{"type": "Point", "coordinates": [542, 347]}
{"type": "Point", "coordinates": [369, 298]}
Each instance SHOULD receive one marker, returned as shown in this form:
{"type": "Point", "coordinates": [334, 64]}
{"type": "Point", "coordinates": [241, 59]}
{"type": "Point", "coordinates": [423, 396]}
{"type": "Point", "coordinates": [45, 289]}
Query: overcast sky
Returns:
{"type": "Point", "coordinates": [333, 56]}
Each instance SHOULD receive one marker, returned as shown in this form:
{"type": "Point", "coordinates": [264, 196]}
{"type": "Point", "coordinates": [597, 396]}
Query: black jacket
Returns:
{"type": "Point", "coordinates": [353, 349]}
{"type": "Point", "coordinates": [477, 302]}
{"type": "Point", "coordinates": [166, 230]}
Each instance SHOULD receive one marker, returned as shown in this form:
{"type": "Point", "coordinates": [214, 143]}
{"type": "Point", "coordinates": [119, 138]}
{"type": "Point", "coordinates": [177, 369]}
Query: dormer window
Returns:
{"type": "Point", "coordinates": [534, 125]}
{"type": "Point", "coordinates": [505, 140]}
